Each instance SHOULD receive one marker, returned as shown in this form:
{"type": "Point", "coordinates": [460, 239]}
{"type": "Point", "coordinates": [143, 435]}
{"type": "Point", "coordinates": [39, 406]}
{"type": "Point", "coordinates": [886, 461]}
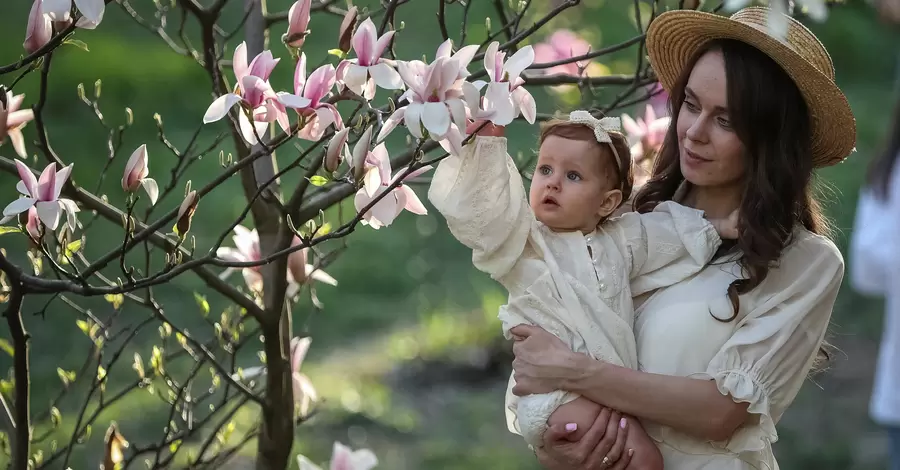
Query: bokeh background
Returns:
{"type": "Point", "coordinates": [406, 354]}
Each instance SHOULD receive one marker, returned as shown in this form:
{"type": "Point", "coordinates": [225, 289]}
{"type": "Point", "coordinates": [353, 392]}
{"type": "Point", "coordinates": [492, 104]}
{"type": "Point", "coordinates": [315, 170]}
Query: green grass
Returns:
{"type": "Point", "coordinates": [409, 299]}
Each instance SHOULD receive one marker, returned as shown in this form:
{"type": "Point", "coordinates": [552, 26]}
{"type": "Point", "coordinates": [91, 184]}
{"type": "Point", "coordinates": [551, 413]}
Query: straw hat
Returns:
{"type": "Point", "coordinates": [675, 36]}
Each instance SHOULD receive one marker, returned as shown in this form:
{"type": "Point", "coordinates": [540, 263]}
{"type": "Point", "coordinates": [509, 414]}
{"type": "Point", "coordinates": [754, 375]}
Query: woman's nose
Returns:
{"type": "Point", "coordinates": [697, 130]}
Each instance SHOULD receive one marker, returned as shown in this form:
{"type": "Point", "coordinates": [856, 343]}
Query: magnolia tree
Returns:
{"type": "Point", "coordinates": [277, 242]}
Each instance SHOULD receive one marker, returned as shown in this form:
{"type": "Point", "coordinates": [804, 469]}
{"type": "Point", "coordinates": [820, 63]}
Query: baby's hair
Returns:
{"type": "Point", "coordinates": [624, 175]}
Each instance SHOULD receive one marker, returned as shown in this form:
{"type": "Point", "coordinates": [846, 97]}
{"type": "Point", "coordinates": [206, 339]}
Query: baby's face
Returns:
{"type": "Point", "coordinates": [570, 189]}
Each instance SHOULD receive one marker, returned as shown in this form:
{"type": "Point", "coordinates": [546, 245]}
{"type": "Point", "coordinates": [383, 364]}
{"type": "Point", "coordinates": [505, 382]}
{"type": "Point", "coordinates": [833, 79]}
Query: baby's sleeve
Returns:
{"type": "Point", "coordinates": [481, 196]}
{"type": "Point", "coordinates": [665, 246]}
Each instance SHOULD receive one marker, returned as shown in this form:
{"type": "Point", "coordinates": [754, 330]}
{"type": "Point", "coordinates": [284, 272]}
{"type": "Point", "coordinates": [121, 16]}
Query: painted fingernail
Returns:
{"type": "Point", "coordinates": [622, 423]}
{"type": "Point", "coordinates": [630, 452]}
{"type": "Point", "coordinates": [571, 427]}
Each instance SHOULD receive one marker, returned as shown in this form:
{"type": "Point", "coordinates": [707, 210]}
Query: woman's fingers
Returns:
{"type": "Point", "coordinates": [601, 456]}
{"type": "Point", "coordinates": [618, 448]}
{"type": "Point", "coordinates": [622, 464]}
{"type": "Point", "coordinates": [556, 433]}
{"type": "Point", "coordinates": [595, 434]}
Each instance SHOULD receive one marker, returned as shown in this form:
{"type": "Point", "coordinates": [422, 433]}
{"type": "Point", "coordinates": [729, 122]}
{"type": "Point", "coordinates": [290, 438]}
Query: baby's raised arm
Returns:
{"type": "Point", "coordinates": [481, 195]}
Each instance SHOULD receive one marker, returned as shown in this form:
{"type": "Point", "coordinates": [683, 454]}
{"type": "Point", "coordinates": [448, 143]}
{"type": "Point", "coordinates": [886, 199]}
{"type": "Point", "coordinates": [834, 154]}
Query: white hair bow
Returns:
{"type": "Point", "coordinates": [602, 127]}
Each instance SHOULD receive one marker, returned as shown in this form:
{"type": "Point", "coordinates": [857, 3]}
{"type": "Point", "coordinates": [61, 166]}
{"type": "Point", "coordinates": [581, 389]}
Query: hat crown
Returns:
{"type": "Point", "coordinates": [799, 38]}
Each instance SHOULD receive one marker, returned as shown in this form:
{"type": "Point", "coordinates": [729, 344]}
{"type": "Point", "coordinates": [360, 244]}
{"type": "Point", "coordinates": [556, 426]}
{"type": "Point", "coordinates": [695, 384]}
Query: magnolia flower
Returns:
{"type": "Point", "coordinates": [304, 392]}
{"type": "Point", "coordinates": [308, 100]}
{"type": "Point", "coordinates": [255, 95]}
{"type": "Point", "coordinates": [462, 57]}
{"type": "Point", "coordinates": [39, 29]}
{"type": "Point", "coordinates": [377, 179]}
{"type": "Point", "coordinates": [186, 213]}
{"type": "Point", "coordinates": [507, 72]}
{"type": "Point", "coordinates": [494, 106]}
{"type": "Point", "coordinates": [91, 11]}
{"type": "Point", "coordinates": [298, 22]}
{"type": "Point", "coordinates": [561, 45]}
{"type": "Point", "coordinates": [660, 99]}
{"type": "Point", "coordinates": [337, 150]}
{"type": "Point", "coordinates": [645, 135]}
{"type": "Point", "coordinates": [368, 69]}
{"type": "Point", "coordinates": [15, 120]}
{"type": "Point", "coordinates": [32, 224]}
{"type": "Point", "coordinates": [343, 458]}
{"type": "Point", "coordinates": [43, 194]}
{"type": "Point", "coordinates": [246, 249]}
{"type": "Point", "coordinates": [136, 172]}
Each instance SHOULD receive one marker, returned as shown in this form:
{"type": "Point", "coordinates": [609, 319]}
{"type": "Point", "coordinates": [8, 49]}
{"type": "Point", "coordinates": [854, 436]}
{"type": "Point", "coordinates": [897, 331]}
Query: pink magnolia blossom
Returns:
{"type": "Point", "coordinates": [300, 272]}
{"type": "Point", "coordinates": [507, 72]}
{"type": "Point", "coordinates": [298, 22]}
{"type": "Point", "coordinates": [304, 392]}
{"type": "Point", "coordinates": [462, 57]}
{"type": "Point", "coordinates": [562, 44]}
{"type": "Point", "coordinates": [43, 194]}
{"type": "Point", "coordinates": [660, 100]}
{"type": "Point", "coordinates": [309, 100]}
{"type": "Point", "coordinates": [15, 120]}
{"type": "Point", "coordinates": [645, 135]}
{"type": "Point", "coordinates": [39, 30]}
{"type": "Point", "coordinates": [254, 93]}
{"type": "Point", "coordinates": [135, 176]}
{"type": "Point", "coordinates": [33, 224]}
{"type": "Point", "coordinates": [368, 69]}
{"type": "Point", "coordinates": [377, 179]}
{"type": "Point", "coordinates": [91, 11]}
{"type": "Point", "coordinates": [435, 102]}
{"type": "Point", "coordinates": [186, 213]}
{"type": "Point", "coordinates": [343, 458]}
{"type": "Point", "coordinates": [337, 150]}
{"type": "Point", "coordinates": [246, 249]}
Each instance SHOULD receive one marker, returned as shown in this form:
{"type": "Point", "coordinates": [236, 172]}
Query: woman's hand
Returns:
{"type": "Point", "coordinates": [543, 362]}
{"type": "Point", "coordinates": [601, 448]}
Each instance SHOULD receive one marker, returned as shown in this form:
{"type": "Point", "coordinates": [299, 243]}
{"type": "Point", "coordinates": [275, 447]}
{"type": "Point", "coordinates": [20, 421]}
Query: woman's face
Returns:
{"type": "Point", "coordinates": [710, 153]}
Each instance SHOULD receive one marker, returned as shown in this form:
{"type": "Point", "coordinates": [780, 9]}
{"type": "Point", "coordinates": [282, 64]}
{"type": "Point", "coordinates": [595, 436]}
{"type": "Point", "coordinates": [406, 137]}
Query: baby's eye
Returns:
{"type": "Point", "coordinates": [544, 170]}
{"type": "Point", "coordinates": [573, 176]}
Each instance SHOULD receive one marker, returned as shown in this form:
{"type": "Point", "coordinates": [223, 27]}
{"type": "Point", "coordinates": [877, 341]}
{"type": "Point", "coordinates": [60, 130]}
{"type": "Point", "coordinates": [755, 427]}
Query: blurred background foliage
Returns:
{"type": "Point", "coordinates": [406, 353]}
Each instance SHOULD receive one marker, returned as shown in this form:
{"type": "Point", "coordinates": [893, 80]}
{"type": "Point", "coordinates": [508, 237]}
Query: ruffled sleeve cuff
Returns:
{"type": "Point", "coordinates": [743, 387]}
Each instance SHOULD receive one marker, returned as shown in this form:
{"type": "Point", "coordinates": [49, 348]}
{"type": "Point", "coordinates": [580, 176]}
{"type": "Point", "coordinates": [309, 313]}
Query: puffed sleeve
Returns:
{"type": "Point", "coordinates": [481, 196]}
{"type": "Point", "coordinates": [664, 246]}
{"type": "Point", "coordinates": [767, 359]}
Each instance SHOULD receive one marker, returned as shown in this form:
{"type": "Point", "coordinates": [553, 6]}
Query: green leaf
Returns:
{"type": "Point", "coordinates": [318, 180]}
{"type": "Point", "coordinates": [73, 248]}
{"type": "Point", "coordinates": [336, 52]}
{"type": "Point", "coordinates": [4, 230]}
{"type": "Point", "coordinates": [325, 229]}
{"type": "Point", "coordinates": [67, 377]}
{"type": "Point", "coordinates": [4, 345]}
{"type": "Point", "coordinates": [202, 303]}
{"type": "Point", "coordinates": [55, 416]}
{"type": "Point", "coordinates": [77, 43]}
{"type": "Point", "coordinates": [115, 299]}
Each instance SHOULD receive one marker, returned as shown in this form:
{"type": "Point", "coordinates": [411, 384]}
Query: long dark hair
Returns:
{"type": "Point", "coordinates": [881, 168]}
{"type": "Point", "coordinates": [770, 117]}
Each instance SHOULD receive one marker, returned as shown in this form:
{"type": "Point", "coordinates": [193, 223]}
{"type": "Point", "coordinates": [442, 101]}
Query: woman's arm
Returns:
{"type": "Point", "coordinates": [543, 363]}
{"type": "Point", "coordinates": [694, 406]}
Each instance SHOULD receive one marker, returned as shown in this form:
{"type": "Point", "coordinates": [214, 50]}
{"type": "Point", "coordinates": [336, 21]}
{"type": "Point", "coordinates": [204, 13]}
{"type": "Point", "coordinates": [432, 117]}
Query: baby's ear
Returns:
{"type": "Point", "coordinates": [611, 201]}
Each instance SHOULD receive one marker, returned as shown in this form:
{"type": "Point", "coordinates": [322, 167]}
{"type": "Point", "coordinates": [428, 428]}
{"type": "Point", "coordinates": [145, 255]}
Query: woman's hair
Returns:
{"type": "Point", "coordinates": [623, 177]}
{"type": "Point", "coordinates": [771, 119]}
{"type": "Point", "coordinates": [881, 168]}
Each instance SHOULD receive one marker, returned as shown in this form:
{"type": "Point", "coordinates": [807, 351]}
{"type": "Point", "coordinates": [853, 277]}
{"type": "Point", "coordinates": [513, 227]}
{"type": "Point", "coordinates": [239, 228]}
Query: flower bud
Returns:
{"type": "Point", "coordinates": [336, 150]}
{"type": "Point", "coordinates": [345, 34]}
{"type": "Point", "coordinates": [186, 213]}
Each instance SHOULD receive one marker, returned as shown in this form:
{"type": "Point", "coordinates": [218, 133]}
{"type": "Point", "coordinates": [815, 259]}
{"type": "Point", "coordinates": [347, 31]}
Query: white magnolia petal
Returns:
{"type": "Point", "coordinates": [220, 107]}
{"type": "Point", "coordinates": [49, 213]}
{"type": "Point", "coordinates": [305, 464]}
{"type": "Point", "coordinates": [293, 101]}
{"type": "Point", "coordinates": [413, 203]}
{"type": "Point", "coordinates": [521, 60]}
{"type": "Point", "coordinates": [320, 276]}
{"type": "Point", "coordinates": [413, 119]}
{"type": "Point", "coordinates": [385, 76]}
{"type": "Point", "coordinates": [247, 130]}
{"type": "Point", "coordinates": [436, 118]}
{"type": "Point", "coordinates": [372, 181]}
{"type": "Point", "coordinates": [228, 253]}
{"type": "Point", "coordinates": [70, 208]}
{"type": "Point", "coordinates": [457, 112]}
{"type": "Point", "coordinates": [355, 77]}
{"type": "Point", "coordinates": [20, 187]}
{"type": "Point", "coordinates": [18, 141]}
{"type": "Point", "coordinates": [18, 206]}
{"type": "Point", "coordinates": [526, 104]}
{"type": "Point", "coordinates": [57, 10]}
{"type": "Point", "coordinates": [498, 100]}
{"type": "Point", "coordinates": [390, 124]}
{"type": "Point", "coordinates": [152, 189]}
{"type": "Point", "coordinates": [91, 9]}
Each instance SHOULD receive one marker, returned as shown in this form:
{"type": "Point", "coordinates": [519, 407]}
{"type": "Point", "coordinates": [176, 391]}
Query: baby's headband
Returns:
{"type": "Point", "coordinates": [602, 127]}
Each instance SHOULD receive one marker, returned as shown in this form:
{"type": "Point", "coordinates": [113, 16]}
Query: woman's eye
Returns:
{"type": "Point", "coordinates": [573, 176]}
{"type": "Point", "coordinates": [690, 106]}
{"type": "Point", "coordinates": [725, 123]}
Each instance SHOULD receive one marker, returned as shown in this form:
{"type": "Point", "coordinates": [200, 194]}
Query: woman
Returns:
{"type": "Point", "coordinates": [875, 268]}
{"type": "Point", "coordinates": [723, 353]}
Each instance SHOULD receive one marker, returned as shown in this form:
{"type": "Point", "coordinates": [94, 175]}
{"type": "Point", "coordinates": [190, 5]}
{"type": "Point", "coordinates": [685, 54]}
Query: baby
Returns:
{"type": "Point", "coordinates": [568, 267]}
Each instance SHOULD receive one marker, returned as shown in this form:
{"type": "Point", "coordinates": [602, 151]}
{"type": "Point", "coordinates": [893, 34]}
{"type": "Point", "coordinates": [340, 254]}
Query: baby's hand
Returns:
{"type": "Point", "coordinates": [727, 228]}
{"type": "Point", "coordinates": [489, 129]}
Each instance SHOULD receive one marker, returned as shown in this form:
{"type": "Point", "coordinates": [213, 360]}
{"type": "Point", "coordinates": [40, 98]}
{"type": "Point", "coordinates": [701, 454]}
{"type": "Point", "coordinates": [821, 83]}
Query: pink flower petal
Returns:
{"type": "Point", "coordinates": [28, 179]}
{"type": "Point", "coordinates": [364, 42]}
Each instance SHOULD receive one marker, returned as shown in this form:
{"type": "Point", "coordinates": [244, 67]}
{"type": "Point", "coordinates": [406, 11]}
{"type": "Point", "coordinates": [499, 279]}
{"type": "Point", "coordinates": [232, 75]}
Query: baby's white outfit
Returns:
{"type": "Point", "coordinates": [577, 287]}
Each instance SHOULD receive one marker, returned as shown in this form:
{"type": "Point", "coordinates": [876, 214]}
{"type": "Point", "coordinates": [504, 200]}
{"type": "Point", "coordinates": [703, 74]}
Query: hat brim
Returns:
{"type": "Point", "coordinates": [675, 36]}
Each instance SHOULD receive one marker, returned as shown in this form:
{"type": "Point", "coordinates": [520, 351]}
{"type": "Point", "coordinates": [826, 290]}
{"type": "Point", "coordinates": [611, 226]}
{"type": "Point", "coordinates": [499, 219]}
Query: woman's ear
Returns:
{"type": "Point", "coordinates": [611, 201]}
